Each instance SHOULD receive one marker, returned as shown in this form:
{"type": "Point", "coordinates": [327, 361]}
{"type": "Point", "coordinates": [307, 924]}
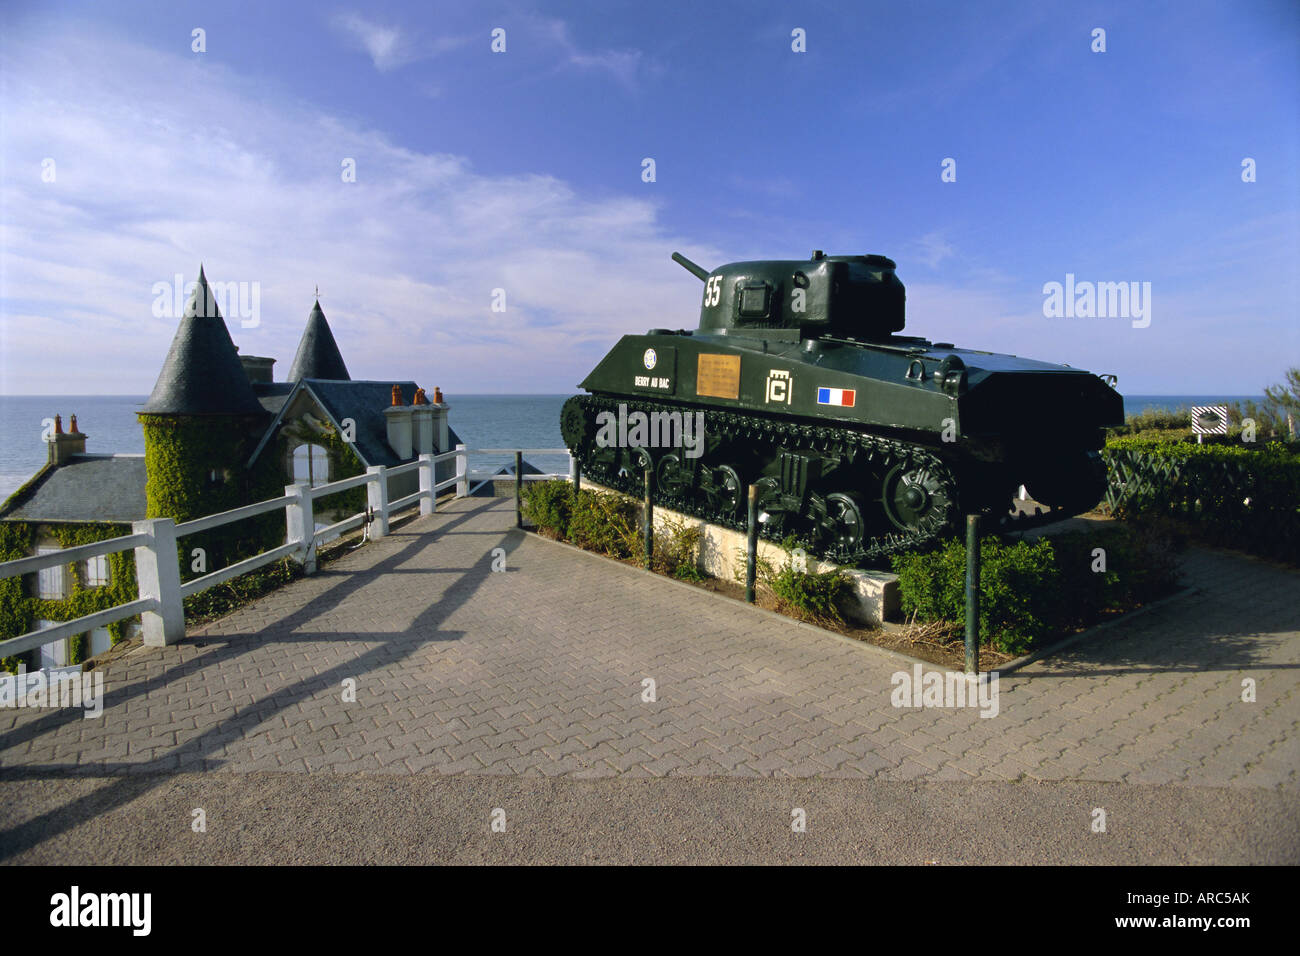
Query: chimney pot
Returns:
{"type": "Point", "coordinates": [437, 395]}
{"type": "Point", "coordinates": [74, 425]}
{"type": "Point", "coordinates": [397, 396]}
{"type": "Point", "coordinates": [58, 424]}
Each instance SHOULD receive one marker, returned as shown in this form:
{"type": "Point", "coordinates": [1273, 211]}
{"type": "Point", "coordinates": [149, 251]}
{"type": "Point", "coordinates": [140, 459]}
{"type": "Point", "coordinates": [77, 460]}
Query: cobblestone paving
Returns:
{"type": "Point", "coordinates": [539, 670]}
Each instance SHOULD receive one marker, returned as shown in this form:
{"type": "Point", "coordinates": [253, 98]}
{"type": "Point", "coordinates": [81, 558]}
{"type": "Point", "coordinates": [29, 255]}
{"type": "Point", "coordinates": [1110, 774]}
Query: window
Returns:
{"type": "Point", "coordinates": [49, 581]}
{"type": "Point", "coordinates": [100, 641]}
{"type": "Point", "coordinates": [96, 572]}
{"type": "Point", "coordinates": [311, 464]}
{"type": "Point", "coordinates": [54, 654]}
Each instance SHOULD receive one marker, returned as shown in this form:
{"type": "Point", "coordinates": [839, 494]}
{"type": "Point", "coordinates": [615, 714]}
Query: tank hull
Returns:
{"type": "Point", "coordinates": [859, 449]}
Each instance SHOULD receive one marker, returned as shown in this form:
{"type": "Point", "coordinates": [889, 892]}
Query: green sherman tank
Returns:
{"type": "Point", "coordinates": [861, 442]}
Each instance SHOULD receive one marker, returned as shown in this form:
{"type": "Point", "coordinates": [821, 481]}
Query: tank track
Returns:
{"type": "Point", "coordinates": [881, 452]}
{"type": "Point", "coordinates": [734, 426]}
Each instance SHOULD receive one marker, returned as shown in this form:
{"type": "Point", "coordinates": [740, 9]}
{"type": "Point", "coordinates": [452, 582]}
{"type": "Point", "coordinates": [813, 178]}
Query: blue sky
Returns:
{"type": "Point", "coordinates": [522, 171]}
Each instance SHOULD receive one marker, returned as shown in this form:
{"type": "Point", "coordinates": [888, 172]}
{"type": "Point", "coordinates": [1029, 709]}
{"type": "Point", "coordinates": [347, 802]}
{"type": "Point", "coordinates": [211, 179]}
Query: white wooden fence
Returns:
{"type": "Point", "coordinates": [154, 540]}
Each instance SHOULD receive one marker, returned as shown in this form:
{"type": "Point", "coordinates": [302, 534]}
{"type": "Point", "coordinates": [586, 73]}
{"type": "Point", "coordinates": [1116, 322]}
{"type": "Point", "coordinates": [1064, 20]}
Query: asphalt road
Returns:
{"type": "Point", "coordinates": [386, 819]}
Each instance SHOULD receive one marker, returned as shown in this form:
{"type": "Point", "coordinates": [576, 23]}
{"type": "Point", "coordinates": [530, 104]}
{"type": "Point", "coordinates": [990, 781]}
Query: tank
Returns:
{"type": "Point", "coordinates": [862, 442]}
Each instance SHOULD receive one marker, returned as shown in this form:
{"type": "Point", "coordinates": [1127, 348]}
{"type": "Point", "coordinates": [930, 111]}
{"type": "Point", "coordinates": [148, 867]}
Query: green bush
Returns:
{"type": "Point", "coordinates": [608, 524]}
{"type": "Point", "coordinates": [605, 523]}
{"type": "Point", "coordinates": [547, 505]}
{"type": "Point", "coordinates": [677, 550]}
{"type": "Point", "coordinates": [813, 596]}
{"type": "Point", "coordinates": [1239, 495]}
{"type": "Point", "coordinates": [1030, 591]}
{"type": "Point", "coordinates": [221, 599]}
{"type": "Point", "coordinates": [1019, 588]}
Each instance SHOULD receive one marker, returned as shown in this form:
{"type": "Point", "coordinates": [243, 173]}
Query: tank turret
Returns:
{"type": "Point", "coordinates": [857, 296]}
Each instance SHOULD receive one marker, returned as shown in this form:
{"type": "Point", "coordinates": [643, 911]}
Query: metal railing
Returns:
{"type": "Point", "coordinates": [154, 541]}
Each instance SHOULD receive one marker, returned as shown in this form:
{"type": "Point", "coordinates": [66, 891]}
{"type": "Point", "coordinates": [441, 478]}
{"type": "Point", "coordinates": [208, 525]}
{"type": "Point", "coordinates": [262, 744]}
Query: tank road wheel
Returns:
{"type": "Point", "coordinates": [724, 491]}
{"type": "Point", "coordinates": [634, 468]}
{"type": "Point", "coordinates": [672, 478]}
{"type": "Point", "coordinates": [840, 525]}
{"type": "Point", "coordinates": [771, 516]}
{"type": "Point", "coordinates": [914, 498]}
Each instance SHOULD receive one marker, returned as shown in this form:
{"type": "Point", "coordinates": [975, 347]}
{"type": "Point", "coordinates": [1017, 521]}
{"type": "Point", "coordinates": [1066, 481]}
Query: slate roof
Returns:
{"type": "Point", "coordinates": [364, 403]}
{"type": "Point", "coordinates": [202, 374]}
{"type": "Point", "coordinates": [318, 354]}
{"type": "Point", "coordinates": [272, 395]}
{"type": "Point", "coordinates": [84, 488]}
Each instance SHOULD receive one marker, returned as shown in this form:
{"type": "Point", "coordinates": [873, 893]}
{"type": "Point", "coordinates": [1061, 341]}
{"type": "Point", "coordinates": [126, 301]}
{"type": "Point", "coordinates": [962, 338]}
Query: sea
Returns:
{"type": "Point", "coordinates": [482, 421]}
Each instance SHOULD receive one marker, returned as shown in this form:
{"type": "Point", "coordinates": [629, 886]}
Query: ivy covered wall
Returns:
{"type": "Point", "coordinates": [196, 467]}
{"type": "Point", "coordinates": [20, 608]}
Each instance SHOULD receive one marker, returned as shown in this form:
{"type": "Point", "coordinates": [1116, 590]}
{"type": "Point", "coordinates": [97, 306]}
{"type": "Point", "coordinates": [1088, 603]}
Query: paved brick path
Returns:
{"type": "Point", "coordinates": [538, 671]}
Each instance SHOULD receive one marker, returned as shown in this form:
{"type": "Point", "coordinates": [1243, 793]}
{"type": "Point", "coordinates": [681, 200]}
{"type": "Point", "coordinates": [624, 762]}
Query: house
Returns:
{"type": "Point", "coordinates": [219, 433]}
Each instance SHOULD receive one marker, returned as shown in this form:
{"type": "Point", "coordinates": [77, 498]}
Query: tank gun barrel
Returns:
{"type": "Point", "coordinates": [698, 271]}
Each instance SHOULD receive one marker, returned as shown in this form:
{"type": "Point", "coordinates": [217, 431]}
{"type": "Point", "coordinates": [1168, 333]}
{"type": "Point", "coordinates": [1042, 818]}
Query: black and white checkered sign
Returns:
{"type": "Point", "coordinates": [1210, 420]}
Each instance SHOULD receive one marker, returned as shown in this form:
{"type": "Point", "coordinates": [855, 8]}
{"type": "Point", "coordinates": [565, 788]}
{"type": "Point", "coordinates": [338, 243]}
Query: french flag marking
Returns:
{"type": "Point", "coordinates": [844, 397]}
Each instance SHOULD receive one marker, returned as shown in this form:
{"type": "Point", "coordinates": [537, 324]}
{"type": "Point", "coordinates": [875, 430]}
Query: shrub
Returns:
{"type": "Point", "coordinates": [813, 596]}
{"type": "Point", "coordinates": [548, 504]}
{"type": "Point", "coordinates": [1032, 590]}
{"type": "Point", "coordinates": [1019, 587]}
{"type": "Point", "coordinates": [605, 523]}
{"type": "Point", "coordinates": [221, 599]}
{"type": "Point", "coordinates": [677, 550]}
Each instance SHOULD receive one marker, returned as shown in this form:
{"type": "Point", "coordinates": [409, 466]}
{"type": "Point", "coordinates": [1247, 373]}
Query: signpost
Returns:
{"type": "Point", "coordinates": [1209, 420]}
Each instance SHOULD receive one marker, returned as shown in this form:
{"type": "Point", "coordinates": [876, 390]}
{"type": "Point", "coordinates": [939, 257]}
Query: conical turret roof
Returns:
{"type": "Point", "coordinates": [318, 354]}
{"type": "Point", "coordinates": [202, 374]}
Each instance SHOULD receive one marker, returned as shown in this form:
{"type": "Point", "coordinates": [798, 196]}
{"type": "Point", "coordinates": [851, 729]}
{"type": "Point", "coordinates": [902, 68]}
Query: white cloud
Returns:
{"type": "Point", "coordinates": [623, 65]}
{"type": "Point", "coordinates": [931, 249]}
{"type": "Point", "coordinates": [386, 46]}
{"type": "Point", "coordinates": [390, 47]}
{"type": "Point", "coordinates": [154, 178]}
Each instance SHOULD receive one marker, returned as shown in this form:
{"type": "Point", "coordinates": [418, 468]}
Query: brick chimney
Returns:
{"type": "Point", "coordinates": [400, 430]}
{"type": "Point", "coordinates": [257, 368]}
{"type": "Point", "coordinates": [419, 428]}
{"type": "Point", "coordinates": [63, 445]}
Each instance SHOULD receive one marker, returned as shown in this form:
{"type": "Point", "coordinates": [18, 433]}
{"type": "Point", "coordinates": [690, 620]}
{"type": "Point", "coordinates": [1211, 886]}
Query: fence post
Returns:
{"type": "Point", "coordinates": [301, 525]}
{"type": "Point", "coordinates": [519, 489]}
{"type": "Point", "coordinates": [377, 498]}
{"type": "Point", "coordinates": [751, 544]}
{"type": "Point", "coordinates": [462, 472]}
{"type": "Point", "coordinates": [428, 481]}
{"type": "Point", "coordinates": [649, 521]}
{"type": "Point", "coordinates": [972, 594]}
{"type": "Point", "coordinates": [575, 473]}
{"type": "Point", "coordinates": [158, 577]}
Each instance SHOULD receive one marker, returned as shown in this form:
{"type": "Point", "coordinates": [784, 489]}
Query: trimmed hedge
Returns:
{"type": "Point", "coordinates": [1233, 495]}
{"type": "Point", "coordinates": [1031, 591]}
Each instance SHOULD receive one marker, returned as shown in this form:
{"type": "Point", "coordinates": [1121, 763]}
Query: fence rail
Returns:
{"type": "Point", "coordinates": [154, 541]}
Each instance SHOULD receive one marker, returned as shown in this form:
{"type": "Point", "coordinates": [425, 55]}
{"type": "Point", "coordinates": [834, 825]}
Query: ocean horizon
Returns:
{"type": "Point", "coordinates": [485, 420]}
